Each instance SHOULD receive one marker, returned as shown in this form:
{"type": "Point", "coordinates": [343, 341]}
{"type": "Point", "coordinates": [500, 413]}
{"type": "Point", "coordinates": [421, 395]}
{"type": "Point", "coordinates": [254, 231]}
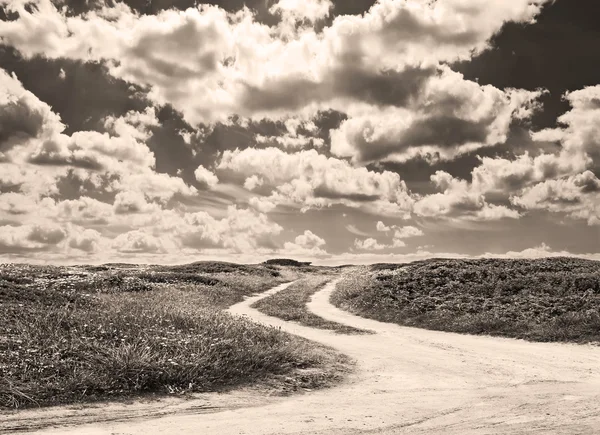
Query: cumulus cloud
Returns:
{"type": "Point", "coordinates": [312, 180]}
{"type": "Point", "coordinates": [22, 115]}
{"type": "Point", "coordinates": [400, 233]}
{"type": "Point", "coordinates": [253, 182]}
{"type": "Point", "coordinates": [378, 68]}
{"type": "Point", "coordinates": [86, 240]}
{"type": "Point", "coordinates": [263, 205]}
{"type": "Point", "coordinates": [448, 116]}
{"type": "Point", "coordinates": [369, 244]}
{"type": "Point", "coordinates": [406, 232]}
{"type": "Point", "coordinates": [382, 227]}
{"type": "Point", "coordinates": [302, 10]}
{"type": "Point", "coordinates": [84, 211]}
{"type": "Point", "coordinates": [129, 202]}
{"type": "Point", "coordinates": [36, 157]}
{"type": "Point", "coordinates": [307, 244]}
{"type": "Point", "coordinates": [137, 242]}
{"type": "Point", "coordinates": [459, 199]}
{"type": "Point", "coordinates": [30, 237]}
{"type": "Point", "coordinates": [578, 196]}
{"type": "Point", "coordinates": [309, 240]}
{"type": "Point", "coordinates": [242, 230]}
{"type": "Point", "coordinates": [206, 177]}
{"type": "Point", "coordinates": [385, 74]}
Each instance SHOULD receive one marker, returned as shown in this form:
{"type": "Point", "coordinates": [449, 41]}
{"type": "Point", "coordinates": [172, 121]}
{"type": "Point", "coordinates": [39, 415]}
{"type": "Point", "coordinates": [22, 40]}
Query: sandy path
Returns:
{"type": "Point", "coordinates": [412, 381]}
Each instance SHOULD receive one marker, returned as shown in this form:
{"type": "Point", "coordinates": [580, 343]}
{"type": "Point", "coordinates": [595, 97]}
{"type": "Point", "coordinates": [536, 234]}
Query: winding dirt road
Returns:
{"type": "Point", "coordinates": [407, 381]}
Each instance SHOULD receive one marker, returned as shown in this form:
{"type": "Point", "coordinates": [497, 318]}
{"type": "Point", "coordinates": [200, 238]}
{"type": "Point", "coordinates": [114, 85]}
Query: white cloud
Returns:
{"type": "Point", "coordinates": [406, 232]}
{"type": "Point", "coordinates": [263, 205]}
{"type": "Point", "coordinates": [447, 116]}
{"type": "Point", "coordinates": [36, 154]}
{"type": "Point", "coordinates": [459, 199]}
{"type": "Point", "coordinates": [313, 180]}
{"type": "Point", "coordinates": [577, 196]}
{"type": "Point", "coordinates": [300, 10]}
{"type": "Point", "coordinates": [309, 240]}
{"type": "Point", "coordinates": [128, 202]}
{"type": "Point", "coordinates": [240, 231]}
{"type": "Point", "coordinates": [369, 244]}
{"type": "Point", "coordinates": [86, 240]}
{"type": "Point", "coordinates": [137, 242]}
{"type": "Point", "coordinates": [354, 230]}
{"type": "Point", "coordinates": [361, 65]}
{"type": "Point", "coordinates": [206, 177]}
{"type": "Point", "coordinates": [253, 182]}
{"type": "Point", "coordinates": [34, 237]}
{"type": "Point", "coordinates": [382, 227]}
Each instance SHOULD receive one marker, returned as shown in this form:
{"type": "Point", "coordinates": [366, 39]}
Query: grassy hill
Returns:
{"type": "Point", "coordinates": [79, 334]}
{"type": "Point", "coordinates": [554, 299]}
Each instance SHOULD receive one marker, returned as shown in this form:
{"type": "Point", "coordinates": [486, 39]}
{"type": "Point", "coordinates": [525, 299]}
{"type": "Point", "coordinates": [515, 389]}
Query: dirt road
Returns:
{"type": "Point", "coordinates": [407, 381]}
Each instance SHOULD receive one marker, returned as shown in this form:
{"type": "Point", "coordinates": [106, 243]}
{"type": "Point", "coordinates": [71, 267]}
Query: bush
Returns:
{"type": "Point", "coordinates": [286, 262]}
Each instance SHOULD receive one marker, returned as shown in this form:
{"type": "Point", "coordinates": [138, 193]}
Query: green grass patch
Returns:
{"type": "Point", "coordinates": [556, 299]}
{"type": "Point", "coordinates": [78, 334]}
{"type": "Point", "coordinates": [290, 304]}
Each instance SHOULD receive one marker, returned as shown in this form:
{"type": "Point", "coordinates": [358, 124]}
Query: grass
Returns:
{"type": "Point", "coordinates": [554, 299]}
{"type": "Point", "coordinates": [81, 334]}
{"type": "Point", "coordinates": [290, 304]}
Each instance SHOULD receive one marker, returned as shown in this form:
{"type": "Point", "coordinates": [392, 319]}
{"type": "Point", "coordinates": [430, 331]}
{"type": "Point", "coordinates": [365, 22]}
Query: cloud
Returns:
{"type": "Point", "coordinates": [263, 205]}
{"type": "Point", "coordinates": [253, 182]}
{"type": "Point", "coordinates": [86, 240]}
{"type": "Point", "coordinates": [242, 230]}
{"type": "Point", "coordinates": [116, 159]}
{"type": "Point", "coordinates": [22, 115]}
{"type": "Point", "coordinates": [369, 244]}
{"type": "Point", "coordinates": [85, 211]}
{"type": "Point", "coordinates": [309, 240]}
{"type": "Point", "coordinates": [382, 227]}
{"type": "Point", "coordinates": [30, 237]}
{"type": "Point", "coordinates": [352, 229]}
{"type": "Point", "coordinates": [312, 180]}
{"type": "Point", "coordinates": [541, 251]}
{"type": "Point", "coordinates": [406, 232]}
{"type": "Point", "coordinates": [448, 116]}
{"type": "Point", "coordinates": [129, 202]}
{"type": "Point", "coordinates": [377, 68]}
{"type": "Point", "coordinates": [302, 10]}
{"type": "Point", "coordinates": [206, 177]}
{"type": "Point", "coordinates": [137, 242]}
{"type": "Point", "coordinates": [578, 196]}
{"type": "Point", "coordinates": [459, 199]}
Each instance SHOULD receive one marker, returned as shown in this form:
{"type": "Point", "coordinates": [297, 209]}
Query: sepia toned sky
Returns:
{"type": "Point", "coordinates": [351, 131]}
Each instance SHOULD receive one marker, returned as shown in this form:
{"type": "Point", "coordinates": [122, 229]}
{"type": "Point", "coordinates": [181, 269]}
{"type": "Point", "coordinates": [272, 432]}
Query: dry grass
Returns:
{"type": "Point", "coordinates": [290, 304]}
{"type": "Point", "coordinates": [74, 335]}
{"type": "Point", "coordinates": [541, 300]}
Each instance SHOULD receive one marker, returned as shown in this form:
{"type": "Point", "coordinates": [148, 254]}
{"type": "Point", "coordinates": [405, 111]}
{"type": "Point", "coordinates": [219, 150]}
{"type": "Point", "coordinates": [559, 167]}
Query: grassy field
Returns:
{"type": "Point", "coordinates": [554, 299]}
{"type": "Point", "coordinates": [290, 304]}
{"type": "Point", "coordinates": [80, 334]}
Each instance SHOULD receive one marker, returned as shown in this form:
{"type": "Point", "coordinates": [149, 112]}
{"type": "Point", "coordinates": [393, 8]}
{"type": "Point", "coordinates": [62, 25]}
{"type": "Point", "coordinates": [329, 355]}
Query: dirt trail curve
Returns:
{"type": "Point", "coordinates": [411, 381]}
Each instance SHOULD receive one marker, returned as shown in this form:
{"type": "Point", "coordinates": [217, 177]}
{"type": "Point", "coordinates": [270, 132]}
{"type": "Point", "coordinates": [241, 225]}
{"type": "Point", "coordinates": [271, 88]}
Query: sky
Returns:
{"type": "Point", "coordinates": [348, 131]}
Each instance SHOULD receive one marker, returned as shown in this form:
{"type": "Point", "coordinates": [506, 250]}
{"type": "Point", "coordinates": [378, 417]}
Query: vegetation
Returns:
{"type": "Point", "coordinates": [287, 262]}
{"type": "Point", "coordinates": [77, 334]}
{"type": "Point", "coordinates": [555, 299]}
{"type": "Point", "coordinates": [290, 304]}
